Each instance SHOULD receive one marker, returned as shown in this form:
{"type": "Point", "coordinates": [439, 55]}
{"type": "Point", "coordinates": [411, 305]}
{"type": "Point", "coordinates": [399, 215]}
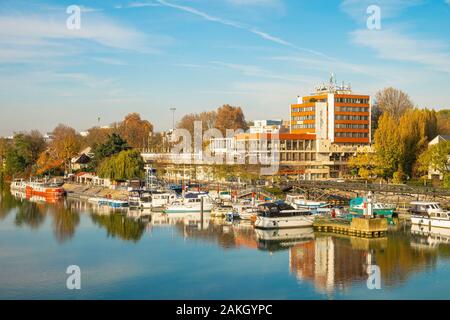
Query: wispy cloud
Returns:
{"type": "Point", "coordinates": [393, 45]}
{"type": "Point", "coordinates": [137, 5]}
{"type": "Point", "coordinates": [242, 26]}
{"type": "Point", "coordinates": [259, 72]}
{"type": "Point", "coordinates": [109, 61]}
{"type": "Point", "coordinates": [24, 37]}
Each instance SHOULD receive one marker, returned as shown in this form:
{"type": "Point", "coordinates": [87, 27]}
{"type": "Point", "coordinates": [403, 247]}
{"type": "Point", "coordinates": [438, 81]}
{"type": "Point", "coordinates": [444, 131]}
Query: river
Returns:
{"type": "Point", "coordinates": [126, 254]}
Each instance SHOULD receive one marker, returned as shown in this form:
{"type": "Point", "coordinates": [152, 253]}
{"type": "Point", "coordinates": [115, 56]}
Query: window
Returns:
{"type": "Point", "coordinates": [351, 134]}
{"type": "Point", "coordinates": [348, 117]}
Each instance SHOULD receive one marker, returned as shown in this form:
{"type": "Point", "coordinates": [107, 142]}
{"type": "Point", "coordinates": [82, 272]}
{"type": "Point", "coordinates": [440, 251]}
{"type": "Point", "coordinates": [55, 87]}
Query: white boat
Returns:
{"type": "Point", "coordinates": [316, 207]}
{"type": "Point", "coordinates": [281, 215]}
{"type": "Point", "coordinates": [438, 219]}
{"type": "Point", "coordinates": [245, 210]}
{"type": "Point", "coordinates": [147, 199]}
{"type": "Point", "coordinates": [424, 207]}
{"type": "Point", "coordinates": [192, 203]}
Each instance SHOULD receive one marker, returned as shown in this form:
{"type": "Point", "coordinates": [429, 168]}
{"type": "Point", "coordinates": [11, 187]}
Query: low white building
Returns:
{"type": "Point", "coordinates": [432, 173]}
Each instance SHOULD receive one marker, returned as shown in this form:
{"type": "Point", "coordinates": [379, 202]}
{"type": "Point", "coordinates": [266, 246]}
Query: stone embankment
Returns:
{"type": "Point", "coordinates": [88, 191]}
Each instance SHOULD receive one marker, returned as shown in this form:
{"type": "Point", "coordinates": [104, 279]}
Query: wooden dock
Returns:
{"type": "Point", "coordinates": [359, 227]}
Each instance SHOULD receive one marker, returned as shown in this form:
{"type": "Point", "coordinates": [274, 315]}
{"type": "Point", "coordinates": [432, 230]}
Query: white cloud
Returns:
{"type": "Point", "coordinates": [393, 45]}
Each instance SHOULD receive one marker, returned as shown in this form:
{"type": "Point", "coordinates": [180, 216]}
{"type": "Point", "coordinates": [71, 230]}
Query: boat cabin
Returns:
{"type": "Point", "coordinates": [424, 208]}
{"type": "Point", "coordinates": [280, 210]}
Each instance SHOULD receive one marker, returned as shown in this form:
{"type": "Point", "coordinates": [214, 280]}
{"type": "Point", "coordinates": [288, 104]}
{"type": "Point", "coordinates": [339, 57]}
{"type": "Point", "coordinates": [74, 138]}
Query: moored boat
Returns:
{"type": "Point", "coordinates": [358, 205]}
{"type": "Point", "coordinates": [281, 215]}
{"type": "Point", "coordinates": [192, 202]}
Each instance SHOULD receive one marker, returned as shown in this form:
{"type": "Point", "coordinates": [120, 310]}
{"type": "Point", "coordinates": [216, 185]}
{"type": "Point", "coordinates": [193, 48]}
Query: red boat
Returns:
{"type": "Point", "coordinates": [45, 190]}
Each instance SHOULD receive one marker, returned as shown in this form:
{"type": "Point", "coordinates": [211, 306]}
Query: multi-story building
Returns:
{"type": "Point", "coordinates": [333, 113]}
{"type": "Point", "coordinates": [326, 129]}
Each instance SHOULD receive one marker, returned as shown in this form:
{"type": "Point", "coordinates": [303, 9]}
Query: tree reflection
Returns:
{"type": "Point", "coordinates": [65, 221]}
{"type": "Point", "coordinates": [7, 202]}
{"type": "Point", "coordinates": [118, 225]}
{"type": "Point", "coordinates": [30, 214]}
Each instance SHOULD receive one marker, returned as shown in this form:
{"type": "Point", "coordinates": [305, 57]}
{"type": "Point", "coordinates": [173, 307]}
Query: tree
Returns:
{"type": "Point", "coordinates": [443, 121]}
{"type": "Point", "coordinates": [135, 130]}
{"type": "Point", "coordinates": [65, 145]}
{"type": "Point", "coordinates": [123, 166]}
{"type": "Point", "coordinates": [207, 118]}
{"type": "Point", "coordinates": [367, 165]}
{"type": "Point", "coordinates": [229, 117]}
{"type": "Point", "coordinates": [437, 158]}
{"type": "Point", "coordinates": [416, 128]}
{"type": "Point", "coordinates": [393, 101]}
{"type": "Point", "coordinates": [23, 153]}
{"type": "Point", "coordinates": [387, 145]}
{"type": "Point", "coordinates": [112, 146]}
{"type": "Point", "coordinates": [4, 146]}
{"type": "Point", "coordinates": [97, 135]}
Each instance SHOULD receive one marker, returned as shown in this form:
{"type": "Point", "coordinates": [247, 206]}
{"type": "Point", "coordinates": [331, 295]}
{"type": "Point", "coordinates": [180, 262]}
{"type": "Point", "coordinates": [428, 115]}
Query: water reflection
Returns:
{"type": "Point", "coordinates": [328, 262]}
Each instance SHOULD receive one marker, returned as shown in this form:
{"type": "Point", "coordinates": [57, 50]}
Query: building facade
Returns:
{"type": "Point", "coordinates": [333, 113]}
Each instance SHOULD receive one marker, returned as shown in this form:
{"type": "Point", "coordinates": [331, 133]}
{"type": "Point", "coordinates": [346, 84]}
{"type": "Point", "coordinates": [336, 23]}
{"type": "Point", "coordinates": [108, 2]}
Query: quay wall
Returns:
{"type": "Point", "coordinates": [87, 191]}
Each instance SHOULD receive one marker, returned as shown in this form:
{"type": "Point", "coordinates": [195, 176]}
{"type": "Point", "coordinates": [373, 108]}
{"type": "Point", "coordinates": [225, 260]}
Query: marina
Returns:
{"type": "Point", "coordinates": [301, 262]}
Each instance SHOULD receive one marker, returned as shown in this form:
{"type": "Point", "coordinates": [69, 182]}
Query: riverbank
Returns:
{"type": "Point", "coordinates": [85, 191]}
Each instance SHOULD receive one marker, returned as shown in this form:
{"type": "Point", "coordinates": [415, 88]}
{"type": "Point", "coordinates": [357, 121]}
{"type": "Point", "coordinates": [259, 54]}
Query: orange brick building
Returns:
{"type": "Point", "coordinates": [334, 113]}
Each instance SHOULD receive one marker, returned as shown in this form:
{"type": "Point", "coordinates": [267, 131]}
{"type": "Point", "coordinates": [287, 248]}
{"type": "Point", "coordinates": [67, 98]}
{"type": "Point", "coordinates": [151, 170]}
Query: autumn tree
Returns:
{"type": "Point", "coordinates": [366, 165]}
{"type": "Point", "coordinates": [387, 145]}
{"type": "Point", "coordinates": [97, 135]}
{"type": "Point", "coordinates": [207, 118]}
{"type": "Point", "coordinates": [443, 121]}
{"type": "Point", "coordinates": [65, 145]}
{"type": "Point", "coordinates": [229, 117]}
{"type": "Point", "coordinates": [416, 128]}
{"type": "Point", "coordinates": [393, 101]}
{"type": "Point", "coordinates": [135, 130]}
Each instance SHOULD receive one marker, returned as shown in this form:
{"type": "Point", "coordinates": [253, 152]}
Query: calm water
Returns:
{"type": "Point", "coordinates": [126, 255]}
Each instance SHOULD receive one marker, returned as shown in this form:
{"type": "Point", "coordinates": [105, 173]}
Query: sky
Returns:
{"type": "Point", "coordinates": [196, 55]}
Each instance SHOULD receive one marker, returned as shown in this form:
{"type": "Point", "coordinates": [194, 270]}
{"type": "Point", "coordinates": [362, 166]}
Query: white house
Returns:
{"type": "Point", "coordinates": [432, 173]}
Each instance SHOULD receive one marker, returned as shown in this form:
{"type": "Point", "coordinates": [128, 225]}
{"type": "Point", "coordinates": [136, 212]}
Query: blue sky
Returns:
{"type": "Point", "coordinates": [195, 55]}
